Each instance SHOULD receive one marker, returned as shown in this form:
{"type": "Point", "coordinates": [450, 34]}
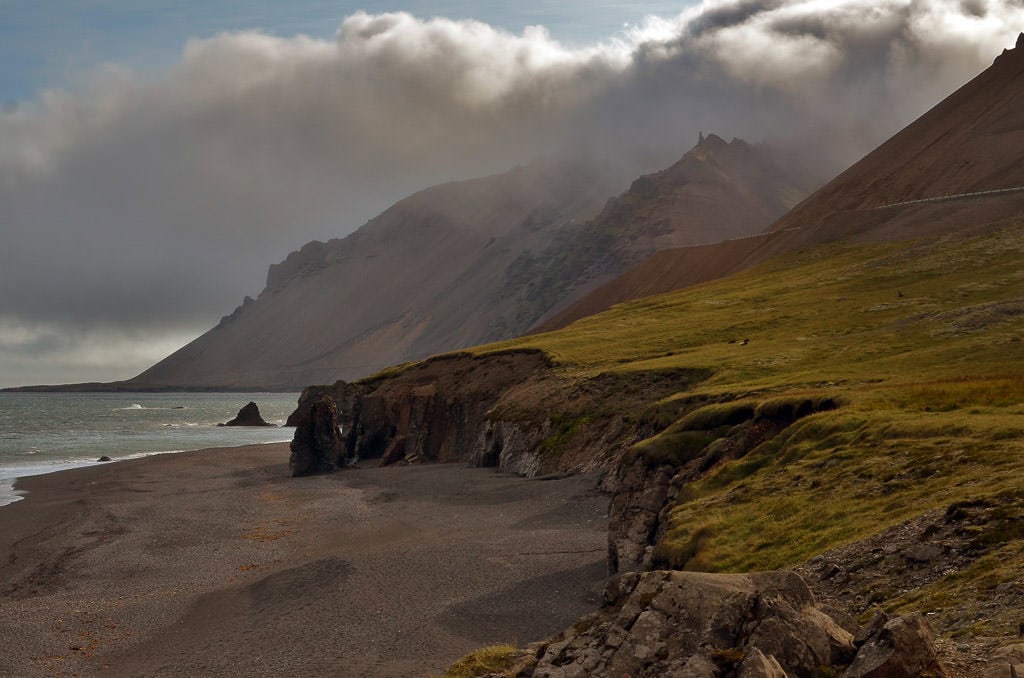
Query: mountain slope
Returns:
{"type": "Point", "coordinates": [471, 262]}
{"type": "Point", "coordinates": [354, 304]}
{"type": "Point", "coordinates": [968, 143]}
{"type": "Point", "coordinates": [715, 192]}
{"type": "Point", "coordinates": [950, 158]}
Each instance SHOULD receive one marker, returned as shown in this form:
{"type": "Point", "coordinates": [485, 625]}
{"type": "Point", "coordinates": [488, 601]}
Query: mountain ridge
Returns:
{"type": "Point", "coordinates": [474, 261]}
{"type": "Point", "coordinates": [958, 147]}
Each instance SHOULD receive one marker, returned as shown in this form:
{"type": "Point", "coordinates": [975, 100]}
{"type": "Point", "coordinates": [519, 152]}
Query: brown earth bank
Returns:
{"type": "Point", "coordinates": [513, 410]}
{"type": "Point", "coordinates": [217, 563]}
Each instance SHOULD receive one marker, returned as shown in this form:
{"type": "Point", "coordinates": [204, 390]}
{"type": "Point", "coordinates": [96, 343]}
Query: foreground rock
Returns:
{"type": "Point", "coordinates": [1007, 662]}
{"type": "Point", "coordinates": [764, 624]}
{"type": "Point", "coordinates": [317, 446]}
{"type": "Point", "coordinates": [248, 416]}
{"type": "Point", "coordinates": [903, 646]}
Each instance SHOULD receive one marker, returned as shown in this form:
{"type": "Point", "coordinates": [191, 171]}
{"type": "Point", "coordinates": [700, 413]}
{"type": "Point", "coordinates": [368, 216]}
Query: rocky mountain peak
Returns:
{"type": "Point", "coordinates": [1015, 50]}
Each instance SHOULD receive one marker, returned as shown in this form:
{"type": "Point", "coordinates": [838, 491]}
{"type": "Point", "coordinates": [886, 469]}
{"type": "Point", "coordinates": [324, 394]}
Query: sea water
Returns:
{"type": "Point", "coordinates": [47, 432]}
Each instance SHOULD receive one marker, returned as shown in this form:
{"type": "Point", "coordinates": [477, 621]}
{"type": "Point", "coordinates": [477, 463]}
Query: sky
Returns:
{"type": "Point", "coordinates": [157, 157]}
{"type": "Point", "coordinates": [46, 43]}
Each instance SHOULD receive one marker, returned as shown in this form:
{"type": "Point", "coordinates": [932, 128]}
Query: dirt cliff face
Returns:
{"type": "Point", "coordinates": [517, 412]}
{"type": "Point", "coordinates": [514, 411]}
{"type": "Point", "coordinates": [651, 477]}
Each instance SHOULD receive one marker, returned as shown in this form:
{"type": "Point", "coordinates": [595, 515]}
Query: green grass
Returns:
{"type": "Point", "coordinates": [487, 660]}
{"type": "Point", "coordinates": [920, 343]}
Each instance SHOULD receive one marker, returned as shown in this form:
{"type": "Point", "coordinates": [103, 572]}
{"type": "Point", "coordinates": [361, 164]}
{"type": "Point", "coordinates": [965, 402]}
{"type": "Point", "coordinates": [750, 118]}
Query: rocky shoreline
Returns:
{"type": "Point", "coordinates": [510, 410]}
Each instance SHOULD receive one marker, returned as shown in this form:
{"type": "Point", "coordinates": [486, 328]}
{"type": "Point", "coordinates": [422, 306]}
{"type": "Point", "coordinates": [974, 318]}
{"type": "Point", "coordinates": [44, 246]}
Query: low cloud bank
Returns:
{"type": "Point", "coordinates": [147, 206]}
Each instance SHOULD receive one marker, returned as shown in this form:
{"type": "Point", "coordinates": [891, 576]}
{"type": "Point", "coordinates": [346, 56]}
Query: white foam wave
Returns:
{"type": "Point", "coordinates": [136, 406]}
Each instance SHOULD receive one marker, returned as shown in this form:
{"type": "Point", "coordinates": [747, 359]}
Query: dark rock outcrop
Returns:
{"type": "Point", "coordinates": [433, 411]}
{"type": "Point", "coordinates": [700, 624]}
{"type": "Point", "coordinates": [920, 552]}
{"type": "Point", "coordinates": [511, 410]}
{"type": "Point", "coordinates": [759, 625]}
{"type": "Point", "coordinates": [248, 416]}
{"type": "Point", "coordinates": [1007, 662]}
{"type": "Point", "coordinates": [104, 458]}
{"type": "Point", "coordinates": [904, 646]}
{"type": "Point", "coordinates": [317, 446]}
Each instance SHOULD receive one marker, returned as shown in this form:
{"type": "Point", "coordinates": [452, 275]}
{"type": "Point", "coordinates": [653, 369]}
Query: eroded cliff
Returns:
{"type": "Point", "coordinates": [513, 410]}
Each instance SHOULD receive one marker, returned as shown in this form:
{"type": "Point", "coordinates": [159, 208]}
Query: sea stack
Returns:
{"type": "Point", "coordinates": [248, 416]}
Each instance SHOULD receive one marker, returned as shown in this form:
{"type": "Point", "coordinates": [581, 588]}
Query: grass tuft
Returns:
{"type": "Point", "coordinates": [487, 660]}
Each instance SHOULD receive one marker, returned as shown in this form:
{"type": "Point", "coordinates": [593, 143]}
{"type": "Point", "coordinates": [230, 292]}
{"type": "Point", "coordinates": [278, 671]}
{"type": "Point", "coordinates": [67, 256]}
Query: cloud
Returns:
{"type": "Point", "coordinates": [149, 205]}
{"type": "Point", "coordinates": [36, 352]}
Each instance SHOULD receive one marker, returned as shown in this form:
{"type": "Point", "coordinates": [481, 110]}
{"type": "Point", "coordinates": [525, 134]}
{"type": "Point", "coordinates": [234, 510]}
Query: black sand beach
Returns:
{"type": "Point", "coordinates": [216, 562]}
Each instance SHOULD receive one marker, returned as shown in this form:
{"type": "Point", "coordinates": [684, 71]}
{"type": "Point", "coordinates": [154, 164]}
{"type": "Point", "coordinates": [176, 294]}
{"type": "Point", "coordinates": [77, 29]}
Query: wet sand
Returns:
{"type": "Point", "coordinates": [216, 562]}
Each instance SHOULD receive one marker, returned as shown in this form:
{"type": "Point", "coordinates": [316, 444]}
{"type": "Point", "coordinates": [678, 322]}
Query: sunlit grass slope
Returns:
{"type": "Point", "coordinates": [920, 343]}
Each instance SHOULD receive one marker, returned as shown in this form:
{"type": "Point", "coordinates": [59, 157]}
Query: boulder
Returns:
{"type": "Point", "coordinates": [903, 646]}
{"type": "Point", "coordinates": [668, 623]}
{"type": "Point", "coordinates": [395, 451]}
{"type": "Point", "coordinates": [1006, 662]}
{"type": "Point", "coordinates": [248, 416]}
{"type": "Point", "coordinates": [104, 458]}
{"type": "Point", "coordinates": [756, 665]}
{"type": "Point", "coordinates": [317, 446]}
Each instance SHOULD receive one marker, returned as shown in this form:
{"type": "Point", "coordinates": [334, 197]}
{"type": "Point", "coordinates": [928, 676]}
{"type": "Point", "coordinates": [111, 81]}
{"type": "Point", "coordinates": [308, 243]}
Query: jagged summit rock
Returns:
{"type": "Point", "coordinates": [248, 416]}
{"type": "Point", "coordinates": [1015, 51]}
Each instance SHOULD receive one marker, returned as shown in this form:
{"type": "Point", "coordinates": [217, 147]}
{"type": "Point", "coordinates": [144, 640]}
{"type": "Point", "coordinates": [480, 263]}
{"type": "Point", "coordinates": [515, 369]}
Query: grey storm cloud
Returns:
{"type": "Point", "coordinates": [140, 207]}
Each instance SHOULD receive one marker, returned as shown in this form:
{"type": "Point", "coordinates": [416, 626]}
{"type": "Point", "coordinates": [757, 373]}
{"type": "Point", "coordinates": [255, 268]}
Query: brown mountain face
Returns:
{"type": "Point", "coordinates": [471, 262]}
{"type": "Point", "coordinates": [958, 166]}
{"type": "Point", "coordinates": [416, 279]}
{"type": "Point", "coordinates": [717, 191]}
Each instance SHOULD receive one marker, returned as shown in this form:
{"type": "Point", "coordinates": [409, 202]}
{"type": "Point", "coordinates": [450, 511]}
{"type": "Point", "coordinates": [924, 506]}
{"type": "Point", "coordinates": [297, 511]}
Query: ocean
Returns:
{"type": "Point", "coordinates": [47, 432]}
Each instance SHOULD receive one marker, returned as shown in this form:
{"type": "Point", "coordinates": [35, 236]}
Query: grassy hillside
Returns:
{"type": "Point", "coordinates": [920, 343]}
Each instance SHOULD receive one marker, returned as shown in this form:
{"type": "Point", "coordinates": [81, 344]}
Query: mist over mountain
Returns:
{"type": "Point", "coordinates": [474, 261]}
{"type": "Point", "coordinates": [717, 191]}
{"type": "Point", "coordinates": [138, 208]}
{"type": "Point", "coordinates": [956, 167]}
